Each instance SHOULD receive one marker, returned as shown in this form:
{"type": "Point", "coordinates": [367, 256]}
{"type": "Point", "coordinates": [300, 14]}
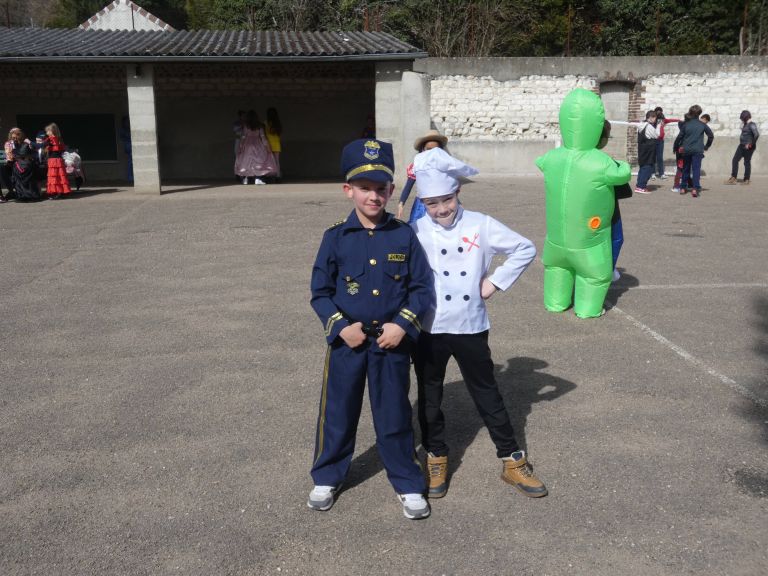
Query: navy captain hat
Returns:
{"type": "Point", "coordinates": [369, 159]}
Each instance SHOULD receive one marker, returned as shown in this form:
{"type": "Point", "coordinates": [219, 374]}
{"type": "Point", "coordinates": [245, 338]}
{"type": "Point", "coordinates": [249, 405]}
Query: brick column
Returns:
{"type": "Point", "coordinates": [141, 111]}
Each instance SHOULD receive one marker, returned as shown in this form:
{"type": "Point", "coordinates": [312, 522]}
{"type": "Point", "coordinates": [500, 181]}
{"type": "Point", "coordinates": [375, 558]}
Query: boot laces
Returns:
{"type": "Point", "coordinates": [437, 468]}
{"type": "Point", "coordinates": [526, 470]}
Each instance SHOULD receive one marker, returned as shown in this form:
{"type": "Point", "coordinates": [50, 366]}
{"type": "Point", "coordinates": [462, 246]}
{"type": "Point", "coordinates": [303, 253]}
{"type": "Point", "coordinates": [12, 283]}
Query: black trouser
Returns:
{"type": "Point", "coordinates": [474, 359]}
{"type": "Point", "coordinates": [742, 152]}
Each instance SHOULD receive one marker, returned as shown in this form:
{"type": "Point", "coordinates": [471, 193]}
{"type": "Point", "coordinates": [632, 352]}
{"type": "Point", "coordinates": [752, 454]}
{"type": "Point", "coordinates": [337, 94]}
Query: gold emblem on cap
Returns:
{"type": "Point", "coordinates": [372, 149]}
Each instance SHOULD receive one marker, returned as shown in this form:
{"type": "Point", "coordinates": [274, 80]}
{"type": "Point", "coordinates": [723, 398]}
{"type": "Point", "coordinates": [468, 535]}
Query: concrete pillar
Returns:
{"type": "Point", "coordinates": [141, 111]}
{"type": "Point", "coordinates": [415, 117]}
{"type": "Point", "coordinates": [402, 110]}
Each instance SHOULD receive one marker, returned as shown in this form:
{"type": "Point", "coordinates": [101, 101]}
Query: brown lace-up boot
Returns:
{"type": "Point", "coordinates": [731, 180]}
{"type": "Point", "coordinates": [437, 472]}
{"type": "Point", "coordinates": [519, 473]}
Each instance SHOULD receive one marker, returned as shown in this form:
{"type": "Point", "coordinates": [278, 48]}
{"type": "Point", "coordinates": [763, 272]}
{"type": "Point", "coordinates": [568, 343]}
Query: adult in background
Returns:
{"type": "Point", "coordinates": [745, 149]}
{"type": "Point", "coordinates": [692, 148]}
{"type": "Point", "coordinates": [661, 121]}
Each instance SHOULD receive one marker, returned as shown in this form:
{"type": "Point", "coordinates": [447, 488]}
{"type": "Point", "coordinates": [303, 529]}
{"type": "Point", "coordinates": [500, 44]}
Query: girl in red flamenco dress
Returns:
{"type": "Point", "coordinates": [58, 183]}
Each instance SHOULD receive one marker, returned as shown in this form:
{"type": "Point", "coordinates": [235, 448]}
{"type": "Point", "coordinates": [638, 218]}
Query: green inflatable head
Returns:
{"type": "Point", "coordinates": [581, 119]}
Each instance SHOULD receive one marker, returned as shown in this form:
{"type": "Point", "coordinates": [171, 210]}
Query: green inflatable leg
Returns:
{"type": "Point", "coordinates": [589, 297]}
{"type": "Point", "coordinates": [558, 288]}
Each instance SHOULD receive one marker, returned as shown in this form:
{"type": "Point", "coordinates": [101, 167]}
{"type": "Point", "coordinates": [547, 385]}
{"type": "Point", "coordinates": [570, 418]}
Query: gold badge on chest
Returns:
{"type": "Point", "coordinates": [352, 287]}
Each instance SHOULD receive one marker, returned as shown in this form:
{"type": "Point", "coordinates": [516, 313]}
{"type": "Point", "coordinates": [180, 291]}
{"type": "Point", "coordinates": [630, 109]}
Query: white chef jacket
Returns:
{"type": "Point", "coordinates": [460, 257]}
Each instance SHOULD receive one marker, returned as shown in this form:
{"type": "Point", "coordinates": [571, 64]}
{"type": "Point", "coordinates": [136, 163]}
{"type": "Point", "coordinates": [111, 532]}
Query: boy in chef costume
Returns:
{"type": "Point", "coordinates": [460, 245]}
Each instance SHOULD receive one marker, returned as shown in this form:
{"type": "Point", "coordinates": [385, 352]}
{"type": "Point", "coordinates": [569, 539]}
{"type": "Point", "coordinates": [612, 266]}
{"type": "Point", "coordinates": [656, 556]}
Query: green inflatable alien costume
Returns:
{"type": "Point", "coordinates": [579, 181]}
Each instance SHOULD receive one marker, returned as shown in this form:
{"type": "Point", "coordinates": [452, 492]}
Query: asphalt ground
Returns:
{"type": "Point", "coordinates": [161, 370]}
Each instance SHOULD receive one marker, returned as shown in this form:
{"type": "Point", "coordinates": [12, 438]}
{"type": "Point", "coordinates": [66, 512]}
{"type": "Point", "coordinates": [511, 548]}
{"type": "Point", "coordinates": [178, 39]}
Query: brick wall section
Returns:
{"type": "Point", "coordinates": [318, 81]}
{"type": "Point", "coordinates": [84, 81]}
{"type": "Point", "coordinates": [637, 110]}
{"type": "Point", "coordinates": [63, 81]}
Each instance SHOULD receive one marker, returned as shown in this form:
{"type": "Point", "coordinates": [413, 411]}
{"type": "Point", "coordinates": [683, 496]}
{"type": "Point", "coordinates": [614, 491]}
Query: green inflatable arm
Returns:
{"type": "Point", "coordinates": [579, 181]}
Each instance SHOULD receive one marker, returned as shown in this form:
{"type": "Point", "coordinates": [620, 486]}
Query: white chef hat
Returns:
{"type": "Point", "coordinates": [437, 173]}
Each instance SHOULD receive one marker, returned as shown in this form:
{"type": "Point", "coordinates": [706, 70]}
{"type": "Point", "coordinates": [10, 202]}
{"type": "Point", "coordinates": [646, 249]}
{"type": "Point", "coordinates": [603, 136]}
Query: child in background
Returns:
{"type": "Point", "coordinates": [58, 183]}
{"type": "Point", "coordinates": [679, 160]}
{"type": "Point", "coordinates": [25, 173]}
{"type": "Point", "coordinates": [647, 136]}
{"type": "Point", "coordinates": [460, 246]}
{"type": "Point", "coordinates": [661, 122]}
{"type": "Point", "coordinates": [42, 161]}
{"type": "Point", "coordinates": [9, 149]}
{"type": "Point", "coordinates": [432, 139]}
{"type": "Point", "coordinates": [692, 148]}
{"type": "Point", "coordinates": [274, 131]}
{"type": "Point", "coordinates": [254, 159]}
{"type": "Point", "coordinates": [745, 149]}
{"type": "Point", "coordinates": [73, 167]}
{"type": "Point", "coordinates": [621, 192]}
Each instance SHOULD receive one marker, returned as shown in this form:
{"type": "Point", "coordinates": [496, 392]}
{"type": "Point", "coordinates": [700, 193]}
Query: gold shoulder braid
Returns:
{"type": "Point", "coordinates": [339, 223]}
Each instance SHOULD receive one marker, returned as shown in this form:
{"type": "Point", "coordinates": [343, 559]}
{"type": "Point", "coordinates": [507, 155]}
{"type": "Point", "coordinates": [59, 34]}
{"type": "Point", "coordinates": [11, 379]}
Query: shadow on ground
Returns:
{"type": "Point", "coordinates": [618, 288]}
{"type": "Point", "coordinates": [751, 478]}
{"type": "Point", "coordinates": [521, 384]}
{"type": "Point", "coordinates": [86, 193]}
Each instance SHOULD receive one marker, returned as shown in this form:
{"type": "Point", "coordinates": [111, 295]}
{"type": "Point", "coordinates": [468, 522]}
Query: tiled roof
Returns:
{"type": "Point", "coordinates": [41, 44]}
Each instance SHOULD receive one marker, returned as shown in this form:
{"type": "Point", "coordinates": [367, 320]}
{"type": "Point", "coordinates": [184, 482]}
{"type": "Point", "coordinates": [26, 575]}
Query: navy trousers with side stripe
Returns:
{"type": "Point", "coordinates": [387, 372]}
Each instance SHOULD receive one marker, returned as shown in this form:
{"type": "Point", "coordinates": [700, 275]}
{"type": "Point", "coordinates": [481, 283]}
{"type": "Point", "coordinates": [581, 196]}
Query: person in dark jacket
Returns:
{"type": "Point", "coordinates": [692, 148]}
{"type": "Point", "coordinates": [25, 174]}
{"type": "Point", "coordinates": [647, 136]}
{"type": "Point", "coordinates": [745, 149]}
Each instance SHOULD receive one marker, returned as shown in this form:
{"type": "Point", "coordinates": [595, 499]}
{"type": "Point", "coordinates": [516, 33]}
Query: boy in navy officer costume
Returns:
{"type": "Point", "coordinates": [371, 287]}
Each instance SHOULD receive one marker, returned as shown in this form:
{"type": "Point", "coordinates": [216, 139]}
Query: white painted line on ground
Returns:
{"type": "Point", "coordinates": [690, 358]}
{"type": "Point", "coordinates": [618, 285]}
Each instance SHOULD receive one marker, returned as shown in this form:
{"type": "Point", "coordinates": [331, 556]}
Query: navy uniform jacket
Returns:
{"type": "Point", "coordinates": [371, 276]}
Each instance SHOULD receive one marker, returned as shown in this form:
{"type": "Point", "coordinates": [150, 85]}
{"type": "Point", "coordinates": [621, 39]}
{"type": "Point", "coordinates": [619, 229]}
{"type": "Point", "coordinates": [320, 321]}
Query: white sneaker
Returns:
{"type": "Point", "coordinates": [245, 180]}
{"type": "Point", "coordinates": [259, 182]}
{"type": "Point", "coordinates": [663, 176]}
{"type": "Point", "coordinates": [616, 275]}
{"type": "Point", "coordinates": [415, 506]}
{"type": "Point", "coordinates": [675, 189]}
{"type": "Point", "coordinates": [322, 497]}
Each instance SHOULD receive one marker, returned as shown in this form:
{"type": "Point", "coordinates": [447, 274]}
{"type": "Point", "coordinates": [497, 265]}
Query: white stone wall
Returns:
{"type": "Point", "coordinates": [472, 108]}
{"type": "Point", "coordinates": [501, 113]}
{"type": "Point", "coordinates": [481, 109]}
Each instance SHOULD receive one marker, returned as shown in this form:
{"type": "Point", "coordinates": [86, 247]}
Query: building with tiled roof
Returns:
{"type": "Point", "coordinates": [180, 91]}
